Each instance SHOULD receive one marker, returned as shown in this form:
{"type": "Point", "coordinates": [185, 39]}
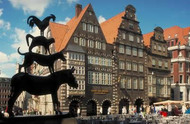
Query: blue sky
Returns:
{"type": "Point", "coordinates": [14, 13]}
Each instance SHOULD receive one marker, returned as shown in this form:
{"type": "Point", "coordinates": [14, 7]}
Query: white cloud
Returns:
{"type": "Point", "coordinates": [1, 12]}
{"type": "Point", "coordinates": [101, 19]}
{"type": "Point", "coordinates": [4, 57]}
{"type": "Point", "coordinates": [3, 74]}
{"type": "Point", "coordinates": [36, 7]}
{"type": "Point", "coordinates": [5, 25]}
{"type": "Point", "coordinates": [65, 21]}
{"type": "Point", "coordinates": [8, 67]}
{"type": "Point", "coordinates": [20, 39]}
{"type": "Point", "coordinates": [72, 1]}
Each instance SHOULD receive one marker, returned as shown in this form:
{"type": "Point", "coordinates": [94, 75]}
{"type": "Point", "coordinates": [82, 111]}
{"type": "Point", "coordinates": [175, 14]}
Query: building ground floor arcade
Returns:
{"type": "Point", "coordinates": [92, 107]}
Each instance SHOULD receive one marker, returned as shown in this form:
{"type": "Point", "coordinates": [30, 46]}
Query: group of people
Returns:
{"type": "Point", "coordinates": [173, 110]}
{"type": "Point", "coordinates": [167, 110]}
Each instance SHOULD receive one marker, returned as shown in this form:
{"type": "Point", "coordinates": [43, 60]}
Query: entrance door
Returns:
{"type": "Point", "coordinates": [105, 106]}
{"type": "Point", "coordinates": [73, 107]}
{"type": "Point", "coordinates": [138, 103]}
{"type": "Point", "coordinates": [123, 103]}
{"type": "Point", "coordinates": [91, 108]}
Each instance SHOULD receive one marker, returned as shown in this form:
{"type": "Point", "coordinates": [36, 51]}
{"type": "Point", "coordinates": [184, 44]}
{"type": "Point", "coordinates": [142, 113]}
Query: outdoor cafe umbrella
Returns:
{"type": "Point", "coordinates": [168, 102]}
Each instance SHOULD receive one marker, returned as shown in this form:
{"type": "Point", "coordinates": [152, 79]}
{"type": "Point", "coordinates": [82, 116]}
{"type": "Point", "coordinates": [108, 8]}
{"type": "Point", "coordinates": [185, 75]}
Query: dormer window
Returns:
{"type": "Point", "coordinates": [90, 13]}
{"type": "Point", "coordinates": [131, 26]}
{"type": "Point", "coordinates": [123, 36]}
{"type": "Point", "coordinates": [138, 40]}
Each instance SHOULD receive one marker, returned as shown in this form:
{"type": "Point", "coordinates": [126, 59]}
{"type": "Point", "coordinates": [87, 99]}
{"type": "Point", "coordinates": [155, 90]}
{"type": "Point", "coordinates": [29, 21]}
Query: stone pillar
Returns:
{"type": "Point", "coordinates": [184, 93]}
{"type": "Point", "coordinates": [83, 111]}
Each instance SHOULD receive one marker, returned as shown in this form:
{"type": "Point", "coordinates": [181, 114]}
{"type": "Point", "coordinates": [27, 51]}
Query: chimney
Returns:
{"type": "Point", "coordinates": [78, 9]}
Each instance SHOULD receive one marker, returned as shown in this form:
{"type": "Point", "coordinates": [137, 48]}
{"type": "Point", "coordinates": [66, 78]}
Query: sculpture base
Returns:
{"type": "Point", "coordinates": [51, 119]}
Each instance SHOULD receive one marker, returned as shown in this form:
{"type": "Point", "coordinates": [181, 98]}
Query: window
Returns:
{"type": "Point", "coordinates": [140, 52]}
{"type": "Point", "coordinates": [140, 67]}
{"type": "Point", "coordinates": [96, 29]}
{"type": "Point", "coordinates": [128, 50]}
{"type": "Point", "coordinates": [180, 78]}
{"type": "Point", "coordinates": [90, 28]}
{"type": "Point", "coordinates": [180, 67]}
{"type": "Point", "coordinates": [98, 45]}
{"type": "Point", "coordinates": [166, 64]}
{"type": "Point", "coordinates": [187, 67]}
{"type": "Point", "coordinates": [82, 42]}
{"type": "Point", "coordinates": [128, 64]}
{"type": "Point", "coordinates": [172, 79]}
{"type": "Point", "coordinates": [138, 40]}
{"type": "Point", "coordinates": [134, 51]}
{"type": "Point", "coordinates": [90, 13]}
{"type": "Point", "coordinates": [188, 79]}
{"type": "Point", "coordinates": [150, 89]}
{"type": "Point", "coordinates": [134, 66]}
{"type": "Point", "coordinates": [121, 65]}
{"type": "Point", "coordinates": [121, 48]}
{"type": "Point", "coordinates": [172, 67]}
{"type": "Point", "coordinates": [154, 46]}
{"type": "Point", "coordinates": [128, 83]}
{"type": "Point", "coordinates": [160, 63]}
{"type": "Point", "coordinates": [84, 26]}
{"type": "Point", "coordinates": [159, 48]}
{"type": "Point", "coordinates": [164, 49]}
{"type": "Point", "coordinates": [131, 37]}
{"type": "Point", "coordinates": [153, 62]}
{"type": "Point", "coordinates": [103, 46]}
{"type": "Point", "coordinates": [141, 83]}
{"type": "Point", "coordinates": [91, 43]}
{"type": "Point", "coordinates": [75, 39]}
{"type": "Point", "coordinates": [122, 82]}
{"type": "Point", "coordinates": [131, 26]}
{"type": "Point", "coordinates": [135, 83]}
{"type": "Point", "coordinates": [123, 35]}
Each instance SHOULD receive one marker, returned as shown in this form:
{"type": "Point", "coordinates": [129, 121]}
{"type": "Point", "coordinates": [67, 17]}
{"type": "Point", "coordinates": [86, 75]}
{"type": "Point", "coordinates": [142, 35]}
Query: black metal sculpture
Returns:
{"type": "Point", "coordinates": [44, 60]}
{"type": "Point", "coordinates": [38, 85]}
{"type": "Point", "coordinates": [42, 25]}
{"type": "Point", "coordinates": [39, 41]}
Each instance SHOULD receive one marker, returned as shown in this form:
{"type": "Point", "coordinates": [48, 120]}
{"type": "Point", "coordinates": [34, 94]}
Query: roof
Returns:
{"type": "Point", "coordinates": [110, 27]}
{"type": "Point", "coordinates": [170, 33]}
{"type": "Point", "coordinates": [75, 48]}
{"type": "Point", "coordinates": [62, 33]}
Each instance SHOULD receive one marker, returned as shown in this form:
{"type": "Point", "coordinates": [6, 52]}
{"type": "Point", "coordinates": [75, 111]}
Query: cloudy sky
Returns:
{"type": "Point", "coordinates": [14, 13]}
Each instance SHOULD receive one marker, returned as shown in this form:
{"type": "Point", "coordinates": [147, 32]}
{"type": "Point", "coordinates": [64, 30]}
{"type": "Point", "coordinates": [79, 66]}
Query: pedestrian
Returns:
{"type": "Point", "coordinates": [78, 111]}
{"type": "Point", "coordinates": [109, 110]}
{"type": "Point", "coordinates": [169, 109]}
{"type": "Point", "coordinates": [124, 110]}
{"type": "Point", "coordinates": [183, 108]}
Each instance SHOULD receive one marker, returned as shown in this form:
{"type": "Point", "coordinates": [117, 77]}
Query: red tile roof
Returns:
{"type": "Point", "coordinates": [170, 33]}
{"type": "Point", "coordinates": [110, 27]}
{"type": "Point", "coordinates": [62, 33]}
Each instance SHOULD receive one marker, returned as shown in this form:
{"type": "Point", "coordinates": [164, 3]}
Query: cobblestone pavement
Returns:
{"type": "Point", "coordinates": [134, 119]}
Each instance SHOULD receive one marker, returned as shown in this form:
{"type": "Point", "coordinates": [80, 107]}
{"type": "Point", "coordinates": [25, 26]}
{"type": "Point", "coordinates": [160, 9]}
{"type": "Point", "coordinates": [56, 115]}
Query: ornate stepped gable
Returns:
{"type": "Point", "coordinates": [170, 33]}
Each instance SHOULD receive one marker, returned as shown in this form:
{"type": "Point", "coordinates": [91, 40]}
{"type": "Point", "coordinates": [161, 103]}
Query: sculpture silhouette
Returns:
{"type": "Point", "coordinates": [44, 60]}
{"type": "Point", "coordinates": [40, 40]}
{"type": "Point", "coordinates": [37, 85]}
{"type": "Point", "coordinates": [42, 25]}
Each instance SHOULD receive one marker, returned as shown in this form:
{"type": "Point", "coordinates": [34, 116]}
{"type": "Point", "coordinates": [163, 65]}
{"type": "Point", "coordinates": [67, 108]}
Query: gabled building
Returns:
{"type": "Point", "coordinates": [5, 89]}
{"type": "Point", "coordinates": [158, 66]}
{"type": "Point", "coordinates": [85, 48]}
{"type": "Point", "coordinates": [129, 73]}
